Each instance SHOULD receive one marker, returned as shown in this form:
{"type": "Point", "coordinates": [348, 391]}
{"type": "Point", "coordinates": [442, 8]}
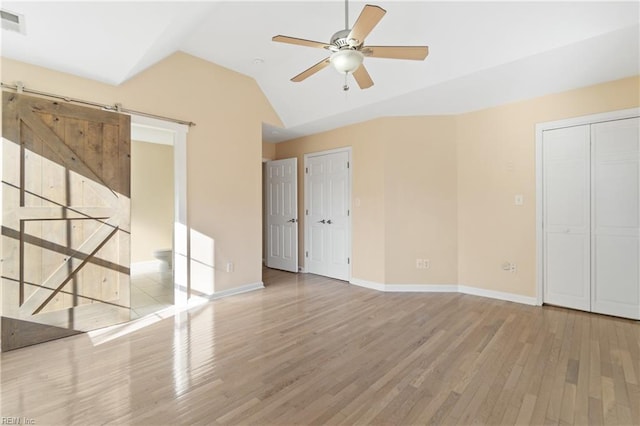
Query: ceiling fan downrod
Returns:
{"type": "Point", "coordinates": [346, 14]}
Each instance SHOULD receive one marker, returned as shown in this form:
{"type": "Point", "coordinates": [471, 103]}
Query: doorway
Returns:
{"type": "Point", "coordinates": [151, 224]}
{"type": "Point", "coordinates": [160, 276]}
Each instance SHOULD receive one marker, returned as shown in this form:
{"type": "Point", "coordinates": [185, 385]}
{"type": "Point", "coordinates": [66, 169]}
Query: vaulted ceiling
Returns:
{"type": "Point", "coordinates": [481, 53]}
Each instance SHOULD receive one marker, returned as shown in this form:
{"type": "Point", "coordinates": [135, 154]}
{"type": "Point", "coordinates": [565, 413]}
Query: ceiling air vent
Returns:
{"type": "Point", "coordinates": [12, 21]}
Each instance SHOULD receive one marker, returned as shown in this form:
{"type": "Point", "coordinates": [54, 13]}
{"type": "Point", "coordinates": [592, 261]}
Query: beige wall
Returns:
{"type": "Point", "coordinates": [268, 151]}
{"type": "Point", "coordinates": [496, 161]}
{"type": "Point", "coordinates": [152, 200]}
{"type": "Point", "coordinates": [442, 188]}
{"type": "Point", "coordinates": [224, 150]}
{"type": "Point", "coordinates": [420, 200]}
{"type": "Point", "coordinates": [404, 196]}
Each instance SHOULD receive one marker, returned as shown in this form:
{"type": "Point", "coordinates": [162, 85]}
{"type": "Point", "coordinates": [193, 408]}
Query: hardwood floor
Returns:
{"type": "Point", "coordinates": [310, 350]}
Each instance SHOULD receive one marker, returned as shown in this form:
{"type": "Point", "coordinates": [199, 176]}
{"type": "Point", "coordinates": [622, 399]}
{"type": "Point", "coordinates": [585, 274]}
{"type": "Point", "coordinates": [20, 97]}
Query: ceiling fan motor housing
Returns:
{"type": "Point", "coordinates": [341, 40]}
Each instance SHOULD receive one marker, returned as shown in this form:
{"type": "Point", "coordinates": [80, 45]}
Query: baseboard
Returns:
{"type": "Point", "coordinates": [444, 288]}
{"type": "Point", "coordinates": [146, 267]}
{"type": "Point", "coordinates": [367, 284]}
{"type": "Point", "coordinates": [236, 290]}
{"type": "Point", "coordinates": [509, 297]}
{"type": "Point", "coordinates": [422, 288]}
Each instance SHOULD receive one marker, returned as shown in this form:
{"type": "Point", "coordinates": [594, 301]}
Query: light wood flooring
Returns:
{"type": "Point", "coordinates": [310, 350]}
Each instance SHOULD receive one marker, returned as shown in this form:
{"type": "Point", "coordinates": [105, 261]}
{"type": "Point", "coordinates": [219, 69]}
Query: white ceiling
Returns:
{"type": "Point", "coordinates": [481, 53]}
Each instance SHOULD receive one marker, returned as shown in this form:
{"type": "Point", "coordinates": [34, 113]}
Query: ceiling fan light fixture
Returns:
{"type": "Point", "coordinates": [346, 60]}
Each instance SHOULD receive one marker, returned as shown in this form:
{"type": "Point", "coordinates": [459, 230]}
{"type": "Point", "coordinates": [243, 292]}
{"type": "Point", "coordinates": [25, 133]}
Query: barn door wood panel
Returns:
{"type": "Point", "coordinates": [65, 220]}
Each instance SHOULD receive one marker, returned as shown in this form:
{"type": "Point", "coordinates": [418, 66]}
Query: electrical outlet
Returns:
{"type": "Point", "coordinates": [423, 263]}
{"type": "Point", "coordinates": [513, 268]}
{"type": "Point", "coordinates": [229, 266]}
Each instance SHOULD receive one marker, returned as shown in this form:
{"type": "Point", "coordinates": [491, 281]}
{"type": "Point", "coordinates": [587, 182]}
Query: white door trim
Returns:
{"type": "Point", "coordinates": [181, 253]}
{"type": "Point", "coordinates": [306, 231]}
{"type": "Point", "coordinates": [540, 128]}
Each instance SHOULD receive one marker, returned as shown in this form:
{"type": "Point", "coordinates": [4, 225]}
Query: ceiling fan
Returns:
{"type": "Point", "coordinates": [348, 50]}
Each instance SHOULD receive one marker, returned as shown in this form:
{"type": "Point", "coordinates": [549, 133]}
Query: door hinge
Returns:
{"type": "Point", "coordinates": [306, 212]}
{"type": "Point", "coordinates": [347, 164]}
{"type": "Point", "coordinates": [306, 254]}
{"type": "Point", "coordinates": [348, 212]}
{"type": "Point", "coordinates": [348, 261]}
{"type": "Point", "coordinates": [306, 170]}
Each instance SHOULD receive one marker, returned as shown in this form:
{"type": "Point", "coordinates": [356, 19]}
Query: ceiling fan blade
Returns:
{"type": "Point", "coordinates": [416, 53]}
{"type": "Point", "coordinates": [369, 18]}
{"type": "Point", "coordinates": [300, 41]}
{"type": "Point", "coordinates": [311, 71]}
{"type": "Point", "coordinates": [362, 77]}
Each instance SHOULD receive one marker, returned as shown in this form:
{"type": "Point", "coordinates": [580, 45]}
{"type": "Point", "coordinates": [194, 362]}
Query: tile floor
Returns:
{"type": "Point", "coordinates": [150, 293]}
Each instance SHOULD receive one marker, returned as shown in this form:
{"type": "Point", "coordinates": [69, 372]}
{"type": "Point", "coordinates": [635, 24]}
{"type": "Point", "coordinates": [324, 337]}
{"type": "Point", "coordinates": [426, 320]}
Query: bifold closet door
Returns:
{"type": "Point", "coordinates": [615, 217]}
{"type": "Point", "coordinates": [566, 217]}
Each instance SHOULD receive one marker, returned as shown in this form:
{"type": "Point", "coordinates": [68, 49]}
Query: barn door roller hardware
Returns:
{"type": "Point", "coordinates": [20, 88]}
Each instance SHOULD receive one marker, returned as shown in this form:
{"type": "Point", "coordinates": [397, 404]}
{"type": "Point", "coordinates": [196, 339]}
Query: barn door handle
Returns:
{"type": "Point", "coordinates": [322, 221]}
{"type": "Point", "coordinates": [329, 221]}
{"type": "Point", "coordinates": [292, 220]}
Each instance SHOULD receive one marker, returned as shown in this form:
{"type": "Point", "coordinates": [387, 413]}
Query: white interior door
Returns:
{"type": "Point", "coordinates": [317, 211]}
{"type": "Point", "coordinates": [566, 217]}
{"type": "Point", "coordinates": [328, 230]}
{"type": "Point", "coordinates": [282, 214]}
{"type": "Point", "coordinates": [615, 217]}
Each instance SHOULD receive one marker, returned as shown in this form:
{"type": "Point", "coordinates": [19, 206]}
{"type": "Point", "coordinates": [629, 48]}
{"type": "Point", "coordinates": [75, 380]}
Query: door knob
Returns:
{"type": "Point", "coordinates": [292, 220]}
{"type": "Point", "coordinates": [322, 221]}
{"type": "Point", "coordinates": [329, 221]}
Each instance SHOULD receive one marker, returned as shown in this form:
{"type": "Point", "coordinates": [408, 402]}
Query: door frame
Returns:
{"type": "Point", "coordinates": [306, 230]}
{"type": "Point", "coordinates": [181, 254]}
{"type": "Point", "coordinates": [550, 125]}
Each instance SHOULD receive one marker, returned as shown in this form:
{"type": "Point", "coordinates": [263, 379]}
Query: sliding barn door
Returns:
{"type": "Point", "coordinates": [65, 219]}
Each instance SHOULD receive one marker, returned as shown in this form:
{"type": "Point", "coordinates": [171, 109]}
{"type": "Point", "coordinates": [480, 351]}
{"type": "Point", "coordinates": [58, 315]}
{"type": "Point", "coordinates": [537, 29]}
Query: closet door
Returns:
{"type": "Point", "coordinates": [615, 217]}
{"type": "Point", "coordinates": [317, 209]}
{"type": "Point", "coordinates": [327, 229]}
{"type": "Point", "coordinates": [566, 220]}
{"type": "Point", "coordinates": [338, 200]}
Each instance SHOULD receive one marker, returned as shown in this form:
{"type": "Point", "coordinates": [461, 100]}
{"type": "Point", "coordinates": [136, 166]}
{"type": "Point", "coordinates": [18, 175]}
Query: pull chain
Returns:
{"type": "Point", "coordinates": [346, 83]}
